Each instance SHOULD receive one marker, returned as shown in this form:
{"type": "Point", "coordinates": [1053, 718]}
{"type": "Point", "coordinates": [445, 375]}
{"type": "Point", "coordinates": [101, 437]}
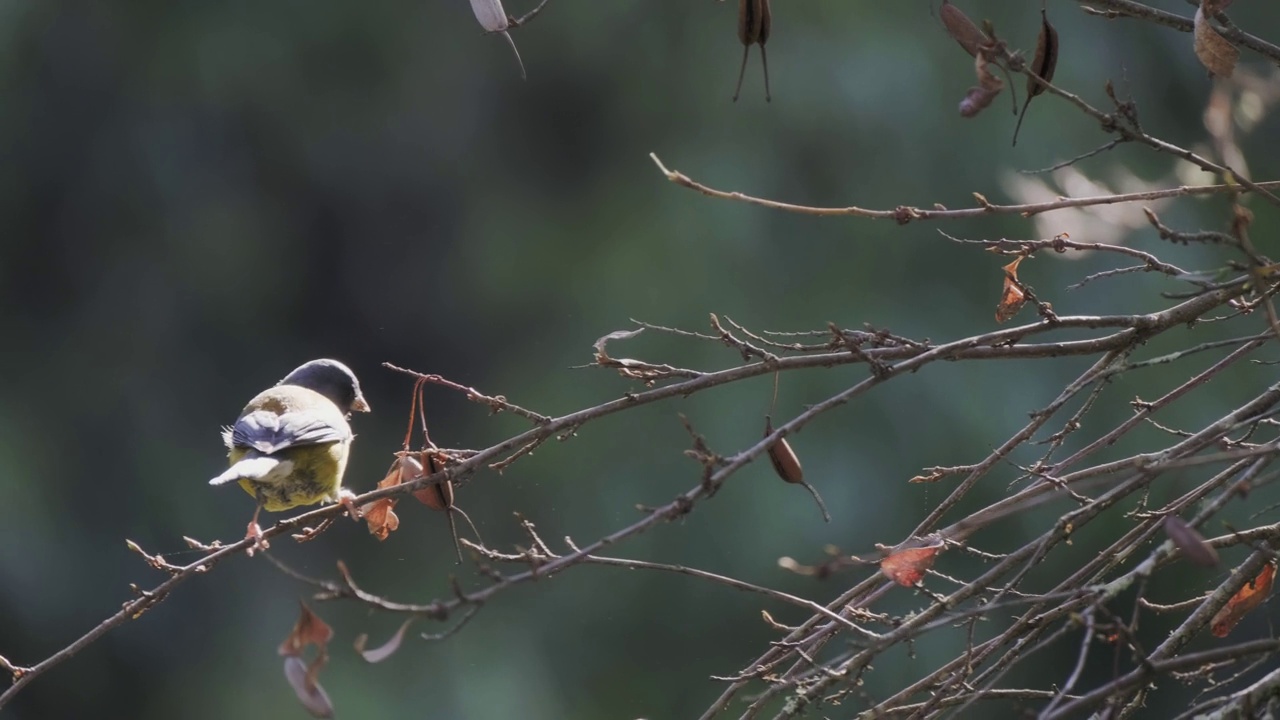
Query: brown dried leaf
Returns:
{"type": "Point", "coordinates": [1044, 64]}
{"type": "Point", "coordinates": [1012, 298]}
{"type": "Point", "coordinates": [1216, 53]}
{"type": "Point", "coordinates": [388, 649]}
{"type": "Point", "coordinates": [1190, 542]}
{"type": "Point", "coordinates": [310, 694]}
{"type": "Point", "coordinates": [1244, 601]}
{"type": "Point", "coordinates": [602, 357]}
{"type": "Point", "coordinates": [379, 514]}
{"type": "Point", "coordinates": [907, 563]}
{"type": "Point", "coordinates": [979, 98]}
{"type": "Point", "coordinates": [962, 29]}
{"type": "Point", "coordinates": [309, 630]}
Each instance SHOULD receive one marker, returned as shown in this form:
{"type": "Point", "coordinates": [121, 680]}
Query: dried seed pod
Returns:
{"type": "Point", "coordinates": [1044, 64]}
{"type": "Point", "coordinates": [493, 19]}
{"type": "Point", "coordinates": [439, 496]}
{"type": "Point", "coordinates": [787, 465]}
{"type": "Point", "coordinates": [1190, 542]}
{"type": "Point", "coordinates": [754, 22]}
{"type": "Point", "coordinates": [962, 29]}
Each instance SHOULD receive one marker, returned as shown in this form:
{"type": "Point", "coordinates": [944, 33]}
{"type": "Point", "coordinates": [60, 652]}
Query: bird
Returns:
{"type": "Point", "coordinates": [289, 447]}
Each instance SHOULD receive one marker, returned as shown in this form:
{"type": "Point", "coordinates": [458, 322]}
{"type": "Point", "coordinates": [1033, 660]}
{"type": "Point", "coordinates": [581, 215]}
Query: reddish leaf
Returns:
{"type": "Point", "coordinates": [379, 514]}
{"type": "Point", "coordinates": [309, 630]}
{"type": "Point", "coordinates": [1244, 601]}
{"type": "Point", "coordinates": [388, 649]}
{"type": "Point", "coordinates": [907, 563]}
{"type": "Point", "coordinates": [1012, 299]}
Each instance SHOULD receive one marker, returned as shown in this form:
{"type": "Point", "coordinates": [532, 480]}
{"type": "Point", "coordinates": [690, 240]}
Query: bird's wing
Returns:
{"type": "Point", "coordinates": [268, 432]}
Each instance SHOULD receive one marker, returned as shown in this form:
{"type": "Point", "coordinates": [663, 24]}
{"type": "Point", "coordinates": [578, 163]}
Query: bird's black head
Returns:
{"type": "Point", "coordinates": [331, 379]}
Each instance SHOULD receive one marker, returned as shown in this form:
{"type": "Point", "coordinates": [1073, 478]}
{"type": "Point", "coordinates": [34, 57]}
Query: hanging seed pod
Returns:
{"type": "Point", "coordinates": [962, 29]}
{"type": "Point", "coordinates": [438, 496]}
{"type": "Point", "coordinates": [1043, 64]}
{"type": "Point", "coordinates": [494, 19]}
{"type": "Point", "coordinates": [1190, 542]}
{"type": "Point", "coordinates": [787, 466]}
{"type": "Point", "coordinates": [754, 21]}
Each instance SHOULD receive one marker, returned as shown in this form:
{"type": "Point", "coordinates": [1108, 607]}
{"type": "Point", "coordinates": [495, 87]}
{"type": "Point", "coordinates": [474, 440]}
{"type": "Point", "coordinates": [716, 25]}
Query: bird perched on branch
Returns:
{"type": "Point", "coordinates": [289, 446]}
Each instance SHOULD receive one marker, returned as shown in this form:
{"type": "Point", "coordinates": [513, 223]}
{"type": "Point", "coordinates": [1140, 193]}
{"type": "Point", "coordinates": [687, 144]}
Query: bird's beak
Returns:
{"type": "Point", "coordinates": [360, 404]}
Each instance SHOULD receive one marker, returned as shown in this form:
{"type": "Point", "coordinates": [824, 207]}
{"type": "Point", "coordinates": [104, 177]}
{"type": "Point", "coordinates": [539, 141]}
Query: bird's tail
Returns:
{"type": "Point", "coordinates": [250, 468]}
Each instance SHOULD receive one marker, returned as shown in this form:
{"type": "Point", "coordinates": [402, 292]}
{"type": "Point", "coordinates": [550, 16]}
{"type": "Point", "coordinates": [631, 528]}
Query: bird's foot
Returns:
{"type": "Point", "coordinates": [259, 542]}
{"type": "Point", "coordinates": [347, 498]}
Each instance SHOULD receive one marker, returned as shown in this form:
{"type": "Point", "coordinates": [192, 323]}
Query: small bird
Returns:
{"type": "Point", "coordinates": [289, 446]}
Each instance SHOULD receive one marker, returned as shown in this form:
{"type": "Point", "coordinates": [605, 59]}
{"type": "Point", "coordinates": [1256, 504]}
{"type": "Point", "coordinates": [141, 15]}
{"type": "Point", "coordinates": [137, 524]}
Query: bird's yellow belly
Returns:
{"type": "Point", "coordinates": [316, 475]}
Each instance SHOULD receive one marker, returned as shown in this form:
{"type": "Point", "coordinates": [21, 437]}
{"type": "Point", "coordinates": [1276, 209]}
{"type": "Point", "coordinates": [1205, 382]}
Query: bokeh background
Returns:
{"type": "Point", "coordinates": [197, 197]}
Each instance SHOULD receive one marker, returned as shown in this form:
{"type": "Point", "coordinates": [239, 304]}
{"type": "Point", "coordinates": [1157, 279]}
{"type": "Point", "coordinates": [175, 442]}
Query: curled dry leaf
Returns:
{"type": "Point", "coordinates": [1215, 52]}
{"type": "Point", "coordinates": [980, 97]}
{"type": "Point", "coordinates": [1244, 601]}
{"type": "Point", "coordinates": [1044, 64]}
{"type": "Point", "coordinates": [787, 465]}
{"type": "Point", "coordinates": [961, 28]}
{"type": "Point", "coordinates": [1190, 542]}
{"type": "Point", "coordinates": [310, 694]}
{"type": "Point", "coordinates": [1012, 298]}
{"type": "Point", "coordinates": [602, 357]}
{"type": "Point", "coordinates": [386, 650]}
{"type": "Point", "coordinates": [309, 630]}
{"type": "Point", "coordinates": [754, 23]}
{"type": "Point", "coordinates": [494, 19]}
{"type": "Point", "coordinates": [379, 514]}
{"type": "Point", "coordinates": [907, 563]}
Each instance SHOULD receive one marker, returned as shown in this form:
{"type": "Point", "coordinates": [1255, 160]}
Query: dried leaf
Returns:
{"type": "Point", "coordinates": [602, 357]}
{"type": "Point", "coordinates": [310, 694]}
{"type": "Point", "coordinates": [907, 563]}
{"type": "Point", "coordinates": [1012, 299]}
{"type": "Point", "coordinates": [1190, 542]}
{"type": "Point", "coordinates": [754, 22]}
{"type": "Point", "coordinates": [494, 19]}
{"type": "Point", "coordinates": [1044, 64]}
{"type": "Point", "coordinates": [379, 514]}
{"type": "Point", "coordinates": [1244, 601]}
{"type": "Point", "coordinates": [309, 630]}
{"type": "Point", "coordinates": [989, 86]}
{"type": "Point", "coordinates": [388, 649]}
{"type": "Point", "coordinates": [962, 29]}
{"type": "Point", "coordinates": [1216, 53]}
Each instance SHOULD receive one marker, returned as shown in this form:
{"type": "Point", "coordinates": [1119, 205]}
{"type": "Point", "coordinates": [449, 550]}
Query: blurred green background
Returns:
{"type": "Point", "coordinates": [196, 197]}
